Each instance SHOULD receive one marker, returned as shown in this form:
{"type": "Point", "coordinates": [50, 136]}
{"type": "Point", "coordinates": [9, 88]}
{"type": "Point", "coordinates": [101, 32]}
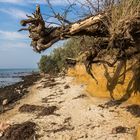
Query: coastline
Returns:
{"type": "Point", "coordinates": [58, 109]}
{"type": "Point", "coordinates": [12, 93]}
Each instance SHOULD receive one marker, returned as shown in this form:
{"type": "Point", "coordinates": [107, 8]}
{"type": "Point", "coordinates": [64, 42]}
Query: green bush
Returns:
{"type": "Point", "coordinates": [55, 62]}
{"type": "Point", "coordinates": [47, 64]}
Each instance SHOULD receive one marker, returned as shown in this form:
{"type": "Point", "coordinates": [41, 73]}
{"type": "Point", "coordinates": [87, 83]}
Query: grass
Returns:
{"type": "Point", "coordinates": [122, 13]}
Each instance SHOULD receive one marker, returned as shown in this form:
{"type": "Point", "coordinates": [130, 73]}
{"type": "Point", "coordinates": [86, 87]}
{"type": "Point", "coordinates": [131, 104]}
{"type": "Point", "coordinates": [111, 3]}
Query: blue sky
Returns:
{"type": "Point", "coordinates": [15, 50]}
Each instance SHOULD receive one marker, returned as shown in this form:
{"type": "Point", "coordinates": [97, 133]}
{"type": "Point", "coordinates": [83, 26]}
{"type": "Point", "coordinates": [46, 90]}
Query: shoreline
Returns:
{"type": "Point", "coordinates": [56, 108]}
{"type": "Point", "coordinates": [10, 94]}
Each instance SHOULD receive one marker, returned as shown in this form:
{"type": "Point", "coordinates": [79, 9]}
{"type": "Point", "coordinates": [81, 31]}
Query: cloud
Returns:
{"type": "Point", "coordinates": [37, 1]}
{"type": "Point", "coordinates": [53, 2]}
{"type": "Point", "coordinates": [7, 47]}
{"type": "Point", "coordinates": [6, 35]}
{"type": "Point", "coordinates": [10, 1]}
{"type": "Point", "coordinates": [15, 44]}
{"type": "Point", "coordinates": [16, 13]}
{"type": "Point", "coordinates": [22, 2]}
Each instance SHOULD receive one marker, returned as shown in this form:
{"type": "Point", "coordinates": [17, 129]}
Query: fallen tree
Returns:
{"type": "Point", "coordinates": [116, 40]}
{"type": "Point", "coordinates": [44, 37]}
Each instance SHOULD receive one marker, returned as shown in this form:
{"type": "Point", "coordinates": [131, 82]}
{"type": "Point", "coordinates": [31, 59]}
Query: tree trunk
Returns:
{"type": "Point", "coordinates": [44, 37]}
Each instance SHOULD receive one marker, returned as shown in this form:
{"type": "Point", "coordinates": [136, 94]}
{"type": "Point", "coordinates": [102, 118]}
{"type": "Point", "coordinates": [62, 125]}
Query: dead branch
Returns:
{"type": "Point", "coordinates": [44, 38]}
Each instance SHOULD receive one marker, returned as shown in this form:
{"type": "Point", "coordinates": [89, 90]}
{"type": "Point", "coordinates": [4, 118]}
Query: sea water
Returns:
{"type": "Point", "coordinates": [12, 76]}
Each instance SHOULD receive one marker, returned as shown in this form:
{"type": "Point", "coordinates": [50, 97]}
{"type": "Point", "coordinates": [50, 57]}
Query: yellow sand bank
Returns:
{"type": "Point", "coordinates": [100, 89]}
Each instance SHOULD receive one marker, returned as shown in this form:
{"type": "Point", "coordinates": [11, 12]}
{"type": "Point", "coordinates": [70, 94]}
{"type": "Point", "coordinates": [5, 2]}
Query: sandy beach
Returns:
{"type": "Point", "coordinates": [62, 110]}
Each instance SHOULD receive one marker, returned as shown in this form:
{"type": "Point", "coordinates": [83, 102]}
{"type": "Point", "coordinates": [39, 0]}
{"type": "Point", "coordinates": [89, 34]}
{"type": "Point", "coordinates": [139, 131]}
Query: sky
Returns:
{"type": "Point", "coordinates": [15, 50]}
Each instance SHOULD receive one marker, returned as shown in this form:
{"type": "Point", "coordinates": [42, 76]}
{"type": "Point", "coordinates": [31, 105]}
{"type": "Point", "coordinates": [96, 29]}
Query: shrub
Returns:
{"type": "Point", "coordinates": [55, 62]}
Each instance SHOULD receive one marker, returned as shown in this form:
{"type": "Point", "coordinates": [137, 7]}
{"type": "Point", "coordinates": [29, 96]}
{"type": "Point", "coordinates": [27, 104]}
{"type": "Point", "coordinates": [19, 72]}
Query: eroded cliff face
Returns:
{"type": "Point", "coordinates": [100, 89]}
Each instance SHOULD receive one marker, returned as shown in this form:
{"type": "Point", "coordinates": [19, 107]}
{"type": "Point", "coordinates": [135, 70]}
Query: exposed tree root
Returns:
{"type": "Point", "coordinates": [113, 47]}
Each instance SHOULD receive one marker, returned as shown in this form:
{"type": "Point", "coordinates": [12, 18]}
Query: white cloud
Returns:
{"type": "Point", "coordinates": [17, 44]}
{"type": "Point", "coordinates": [54, 2]}
{"type": "Point", "coordinates": [23, 1]}
{"type": "Point", "coordinates": [37, 1]}
{"type": "Point", "coordinates": [10, 1]}
{"type": "Point", "coordinates": [13, 45]}
{"type": "Point", "coordinates": [16, 13]}
{"type": "Point", "coordinates": [11, 35]}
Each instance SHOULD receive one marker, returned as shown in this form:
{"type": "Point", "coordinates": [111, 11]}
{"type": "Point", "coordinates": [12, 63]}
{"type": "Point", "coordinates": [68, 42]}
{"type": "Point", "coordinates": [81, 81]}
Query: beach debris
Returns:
{"type": "Point", "coordinates": [18, 91]}
{"type": "Point", "coordinates": [83, 135]}
{"type": "Point", "coordinates": [3, 127]}
{"type": "Point", "coordinates": [66, 86]}
{"type": "Point", "coordinates": [60, 102]}
{"type": "Point", "coordinates": [95, 126]}
{"type": "Point", "coordinates": [23, 131]}
{"type": "Point", "coordinates": [52, 80]}
{"type": "Point", "coordinates": [50, 84]}
{"type": "Point", "coordinates": [4, 102]}
{"type": "Point", "coordinates": [80, 96]}
{"type": "Point", "coordinates": [67, 120]}
{"type": "Point", "coordinates": [134, 110]}
{"type": "Point", "coordinates": [30, 108]}
{"type": "Point", "coordinates": [111, 110]}
{"type": "Point", "coordinates": [112, 103]}
{"type": "Point", "coordinates": [61, 128]}
{"type": "Point", "coordinates": [48, 111]}
{"type": "Point", "coordinates": [40, 110]}
{"type": "Point", "coordinates": [45, 100]}
{"type": "Point", "coordinates": [49, 99]}
{"type": "Point", "coordinates": [119, 129]}
{"type": "Point", "coordinates": [48, 79]}
{"type": "Point", "coordinates": [101, 106]}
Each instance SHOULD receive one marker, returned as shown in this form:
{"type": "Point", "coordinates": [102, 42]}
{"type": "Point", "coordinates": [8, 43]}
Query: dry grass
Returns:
{"type": "Point", "coordinates": [125, 11]}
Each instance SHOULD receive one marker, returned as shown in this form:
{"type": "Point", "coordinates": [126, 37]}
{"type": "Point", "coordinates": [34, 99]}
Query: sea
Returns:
{"type": "Point", "coordinates": [12, 76]}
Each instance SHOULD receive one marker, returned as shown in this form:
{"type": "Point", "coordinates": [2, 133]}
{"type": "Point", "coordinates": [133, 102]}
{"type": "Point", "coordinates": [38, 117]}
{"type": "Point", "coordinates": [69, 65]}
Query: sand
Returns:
{"type": "Point", "coordinates": [73, 114]}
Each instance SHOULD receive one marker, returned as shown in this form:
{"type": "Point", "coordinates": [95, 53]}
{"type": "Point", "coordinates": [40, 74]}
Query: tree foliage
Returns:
{"type": "Point", "coordinates": [56, 61]}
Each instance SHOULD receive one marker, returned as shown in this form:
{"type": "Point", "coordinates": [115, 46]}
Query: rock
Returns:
{"type": "Point", "coordinates": [4, 102]}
